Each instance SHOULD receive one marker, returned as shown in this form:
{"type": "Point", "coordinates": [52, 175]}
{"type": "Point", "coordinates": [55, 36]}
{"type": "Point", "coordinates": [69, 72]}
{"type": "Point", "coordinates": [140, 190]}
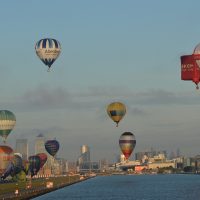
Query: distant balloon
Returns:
{"type": "Point", "coordinates": [43, 159]}
{"type": "Point", "coordinates": [34, 164]}
{"type": "Point", "coordinates": [6, 155]}
{"type": "Point", "coordinates": [127, 143]}
{"type": "Point", "coordinates": [52, 146]}
{"type": "Point", "coordinates": [17, 163]}
{"type": "Point", "coordinates": [48, 50]}
{"type": "Point", "coordinates": [116, 111]}
{"type": "Point", "coordinates": [7, 123]}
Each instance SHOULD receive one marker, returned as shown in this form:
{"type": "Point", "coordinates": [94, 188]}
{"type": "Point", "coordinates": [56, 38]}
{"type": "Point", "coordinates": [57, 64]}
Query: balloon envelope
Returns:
{"type": "Point", "coordinates": [34, 164]}
{"type": "Point", "coordinates": [6, 155]}
{"type": "Point", "coordinates": [17, 163]}
{"type": "Point", "coordinates": [48, 50]}
{"type": "Point", "coordinates": [52, 146]}
{"type": "Point", "coordinates": [8, 171]}
{"type": "Point", "coordinates": [127, 143]}
{"type": "Point", "coordinates": [43, 159]}
{"type": "Point", "coordinates": [116, 111]}
{"type": "Point", "coordinates": [21, 176]}
{"type": "Point", "coordinates": [7, 123]}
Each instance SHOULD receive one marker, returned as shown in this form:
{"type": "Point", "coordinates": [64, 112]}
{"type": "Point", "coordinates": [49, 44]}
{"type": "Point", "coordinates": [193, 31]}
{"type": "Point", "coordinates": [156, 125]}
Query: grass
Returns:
{"type": "Point", "coordinates": [38, 186]}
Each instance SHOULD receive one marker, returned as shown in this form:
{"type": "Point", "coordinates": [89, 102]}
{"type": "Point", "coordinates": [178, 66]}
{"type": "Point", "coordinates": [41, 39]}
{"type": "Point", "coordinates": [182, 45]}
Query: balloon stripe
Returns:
{"type": "Point", "coordinates": [44, 43]}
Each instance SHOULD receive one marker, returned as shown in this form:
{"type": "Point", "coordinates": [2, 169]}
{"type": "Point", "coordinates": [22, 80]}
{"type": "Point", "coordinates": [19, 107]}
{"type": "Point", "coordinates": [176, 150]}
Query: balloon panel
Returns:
{"type": "Point", "coordinates": [17, 163]}
{"type": "Point", "coordinates": [43, 159]}
{"type": "Point", "coordinates": [187, 67]}
{"type": "Point", "coordinates": [8, 170]}
{"type": "Point", "coordinates": [6, 155]}
{"type": "Point", "coordinates": [34, 164]}
{"type": "Point", "coordinates": [21, 176]}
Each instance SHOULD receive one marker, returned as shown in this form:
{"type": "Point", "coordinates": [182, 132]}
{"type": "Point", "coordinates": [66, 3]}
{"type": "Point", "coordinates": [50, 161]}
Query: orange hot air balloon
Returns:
{"type": "Point", "coordinates": [116, 111]}
{"type": "Point", "coordinates": [6, 156]}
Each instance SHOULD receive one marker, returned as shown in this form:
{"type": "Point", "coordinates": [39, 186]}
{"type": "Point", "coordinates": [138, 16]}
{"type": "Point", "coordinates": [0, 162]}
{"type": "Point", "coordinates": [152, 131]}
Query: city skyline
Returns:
{"type": "Point", "coordinates": [110, 51]}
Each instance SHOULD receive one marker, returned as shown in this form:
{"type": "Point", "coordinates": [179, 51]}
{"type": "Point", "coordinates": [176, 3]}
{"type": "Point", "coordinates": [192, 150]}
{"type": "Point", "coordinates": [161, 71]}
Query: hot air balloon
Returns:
{"type": "Point", "coordinates": [17, 164]}
{"type": "Point", "coordinates": [43, 159]}
{"type": "Point", "coordinates": [8, 171]}
{"type": "Point", "coordinates": [6, 155]}
{"type": "Point", "coordinates": [190, 66]}
{"type": "Point", "coordinates": [52, 146]}
{"type": "Point", "coordinates": [116, 111]}
{"type": "Point", "coordinates": [26, 165]}
{"type": "Point", "coordinates": [20, 177]}
{"type": "Point", "coordinates": [34, 164]}
{"type": "Point", "coordinates": [7, 123]}
{"type": "Point", "coordinates": [127, 143]}
{"type": "Point", "coordinates": [48, 50]}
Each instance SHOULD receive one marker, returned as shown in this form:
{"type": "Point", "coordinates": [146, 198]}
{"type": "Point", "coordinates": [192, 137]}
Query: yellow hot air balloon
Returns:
{"type": "Point", "coordinates": [116, 111]}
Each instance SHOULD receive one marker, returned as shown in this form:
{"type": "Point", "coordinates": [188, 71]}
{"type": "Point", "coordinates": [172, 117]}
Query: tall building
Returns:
{"type": "Point", "coordinates": [39, 144]}
{"type": "Point", "coordinates": [84, 159]}
{"type": "Point", "coordinates": [85, 153]}
{"type": "Point", "coordinates": [22, 148]}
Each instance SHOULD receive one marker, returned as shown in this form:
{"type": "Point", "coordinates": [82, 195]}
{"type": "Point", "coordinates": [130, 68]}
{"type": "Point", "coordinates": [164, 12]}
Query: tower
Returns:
{"type": "Point", "coordinates": [22, 148]}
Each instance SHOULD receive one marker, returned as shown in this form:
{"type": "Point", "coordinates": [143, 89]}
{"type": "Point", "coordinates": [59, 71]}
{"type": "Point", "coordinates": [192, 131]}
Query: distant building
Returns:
{"type": "Point", "coordinates": [84, 159]}
{"type": "Point", "coordinates": [145, 155]}
{"type": "Point", "coordinates": [39, 144]}
{"type": "Point", "coordinates": [22, 148]}
{"type": "Point", "coordinates": [157, 165]}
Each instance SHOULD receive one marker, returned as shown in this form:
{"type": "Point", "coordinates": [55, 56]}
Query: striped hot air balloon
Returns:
{"type": "Point", "coordinates": [6, 156]}
{"type": "Point", "coordinates": [127, 143]}
{"type": "Point", "coordinates": [7, 123]}
{"type": "Point", "coordinates": [48, 50]}
{"type": "Point", "coordinates": [34, 164]}
{"type": "Point", "coordinates": [116, 111]}
{"type": "Point", "coordinates": [43, 159]}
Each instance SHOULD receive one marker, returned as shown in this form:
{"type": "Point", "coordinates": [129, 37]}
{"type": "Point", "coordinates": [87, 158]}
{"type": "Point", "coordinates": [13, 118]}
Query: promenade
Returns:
{"type": "Point", "coordinates": [36, 187]}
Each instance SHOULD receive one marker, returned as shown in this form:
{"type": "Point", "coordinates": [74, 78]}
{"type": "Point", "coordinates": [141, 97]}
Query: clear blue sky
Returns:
{"type": "Point", "coordinates": [111, 50]}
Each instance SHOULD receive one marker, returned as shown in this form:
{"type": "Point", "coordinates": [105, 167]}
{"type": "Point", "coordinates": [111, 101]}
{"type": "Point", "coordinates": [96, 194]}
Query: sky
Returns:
{"type": "Point", "coordinates": [114, 50]}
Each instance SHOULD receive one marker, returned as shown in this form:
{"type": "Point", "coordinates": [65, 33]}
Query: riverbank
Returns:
{"type": "Point", "coordinates": [37, 187]}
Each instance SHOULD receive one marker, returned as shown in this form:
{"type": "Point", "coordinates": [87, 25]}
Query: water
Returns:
{"type": "Point", "coordinates": [131, 187]}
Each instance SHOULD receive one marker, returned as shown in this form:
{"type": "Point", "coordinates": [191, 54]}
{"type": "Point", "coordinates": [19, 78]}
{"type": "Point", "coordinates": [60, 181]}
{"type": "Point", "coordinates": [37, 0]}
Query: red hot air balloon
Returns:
{"type": "Point", "coordinates": [190, 66]}
{"type": "Point", "coordinates": [127, 143]}
{"type": "Point", "coordinates": [52, 147]}
{"type": "Point", "coordinates": [43, 159]}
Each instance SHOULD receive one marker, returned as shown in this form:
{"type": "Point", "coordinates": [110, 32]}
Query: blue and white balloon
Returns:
{"type": "Point", "coordinates": [48, 50]}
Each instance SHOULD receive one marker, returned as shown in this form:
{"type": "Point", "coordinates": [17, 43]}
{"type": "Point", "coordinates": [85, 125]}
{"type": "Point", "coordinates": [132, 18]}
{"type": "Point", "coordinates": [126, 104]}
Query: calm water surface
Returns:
{"type": "Point", "coordinates": [128, 187]}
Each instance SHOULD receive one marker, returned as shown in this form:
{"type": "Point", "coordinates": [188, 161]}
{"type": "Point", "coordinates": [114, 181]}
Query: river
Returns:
{"type": "Point", "coordinates": [131, 187]}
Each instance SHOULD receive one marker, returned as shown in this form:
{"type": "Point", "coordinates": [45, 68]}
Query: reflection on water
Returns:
{"type": "Point", "coordinates": [131, 187]}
